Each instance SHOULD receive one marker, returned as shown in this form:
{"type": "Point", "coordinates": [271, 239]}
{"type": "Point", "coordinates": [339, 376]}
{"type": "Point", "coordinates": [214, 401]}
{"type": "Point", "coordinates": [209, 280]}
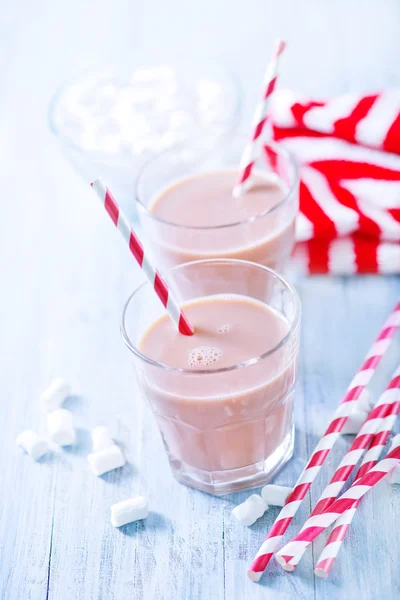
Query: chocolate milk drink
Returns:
{"type": "Point", "coordinates": [235, 418]}
{"type": "Point", "coordinates": [197, 217]}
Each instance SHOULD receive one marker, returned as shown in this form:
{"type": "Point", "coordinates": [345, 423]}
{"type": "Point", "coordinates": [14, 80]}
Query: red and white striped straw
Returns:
{"type": "Point", "coordinates": [335, 540]}
{"type": "Point", "coordinates": [348, 501]}
{"type": "Point", "coordinates": [346, 407]}
{"type": "Point", "coordinates": [135, 246]}
{"type": "Point", "coordinates": [252, 149]}
{"type": "Point", "coordinates": [386, 403]}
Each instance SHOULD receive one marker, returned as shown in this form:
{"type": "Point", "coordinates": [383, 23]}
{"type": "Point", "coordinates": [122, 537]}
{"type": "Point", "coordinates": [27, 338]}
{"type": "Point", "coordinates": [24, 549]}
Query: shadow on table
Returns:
{"type": "Point", "coordinates": [83, 444]}
{"type": "Point", "coordinates": [48, 459]}
{"type": "Point", "coordinates": [155, 521]}
{"type": "Point", "coordinates": [121, 475]}
{"type": "Point", "coordinates": [73, 403]}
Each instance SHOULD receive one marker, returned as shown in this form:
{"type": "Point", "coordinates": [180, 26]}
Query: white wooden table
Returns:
{"type": "Point", "coordinates": [64, 278]}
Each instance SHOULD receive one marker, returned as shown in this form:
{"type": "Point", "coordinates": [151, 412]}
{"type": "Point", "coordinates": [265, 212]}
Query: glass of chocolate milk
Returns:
{"type": "Point", "coordinates": [186, 208]}
{"type": "Point", "coordinates": [223, 398]}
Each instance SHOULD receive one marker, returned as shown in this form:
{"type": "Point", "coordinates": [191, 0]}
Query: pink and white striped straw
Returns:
{"type": "Point", "coordinates": [252, 149]}
{"type": "Point", "coordinates": [386, 403]}
{"type": "Point", "coordinates": [332, 547]}
{"type": "Point", "coordinates": [346, 407]}
{"type": "Point", "coordinates": [135, 246]}
{"type": "Point", "coordinates": [348, 501]}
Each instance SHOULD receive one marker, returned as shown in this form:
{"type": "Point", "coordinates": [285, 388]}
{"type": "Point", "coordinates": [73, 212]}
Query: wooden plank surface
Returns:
{"type": "Point", "coordinates": [65, 278]}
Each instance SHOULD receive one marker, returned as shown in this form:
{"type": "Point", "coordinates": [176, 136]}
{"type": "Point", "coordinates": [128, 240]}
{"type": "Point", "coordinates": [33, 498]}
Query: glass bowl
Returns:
{"type": "Point", "coordinates": [110, 120]}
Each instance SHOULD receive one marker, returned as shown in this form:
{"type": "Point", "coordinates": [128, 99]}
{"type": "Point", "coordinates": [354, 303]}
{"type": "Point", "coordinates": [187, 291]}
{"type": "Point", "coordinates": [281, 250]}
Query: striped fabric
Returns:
{"type": "Point", "coordinates": [348, 150]}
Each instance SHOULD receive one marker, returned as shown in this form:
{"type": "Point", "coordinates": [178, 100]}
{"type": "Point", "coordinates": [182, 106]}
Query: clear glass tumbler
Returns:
{"type": "Point", "coordinates": [266, 238]}
{"type": "Point", "coordinates": [234, 429]}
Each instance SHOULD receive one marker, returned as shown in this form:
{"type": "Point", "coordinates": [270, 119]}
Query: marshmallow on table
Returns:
{"type": "Point", "coordinates": [54, 396]}
{"type": "Point", "coordinates": [394, 476]}
{"type": "Point", "coordinates": [365, 402]}
{"type": "Point", "coordinates": [61, 428]}
{"type": "Point", "coordinates": [275, 495]}
{"type": "Point", "coordinates": [32, 443]}
{"type": "Point", "coordinates": [128, 511]}
{"type": "Point", "coordinates": [394, 442]}
{"type": "Point", "coordinates": [354, 422]}
{"type": "Point", "coordinates": [106, 460]}
{"type": "Point", "coordinates": [249, 511]}
{"type": "Point", "coordinates": [101, 439]}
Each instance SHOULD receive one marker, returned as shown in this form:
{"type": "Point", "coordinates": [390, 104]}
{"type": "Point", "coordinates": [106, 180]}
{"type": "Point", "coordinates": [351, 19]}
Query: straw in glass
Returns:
{"type": "Point", "coordinates": [135, 246]}
{"type": "Point", "coordinates": [253, 148]}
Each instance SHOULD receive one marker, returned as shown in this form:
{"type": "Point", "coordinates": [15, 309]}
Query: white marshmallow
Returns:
{"type": "Point", "coordinates": [32, 443]}
{"type": "Point", "coordinates": [101, 438]}
{"type": "Point", "coordinates": [394, 442]}
{"type": "Point", "coordinates": [365, 402]}
{"type": "Point", "coordinates": [394, 476]}
{"type": "Point", "coordinates": [54, 396]}
{"type": "Point", "coordinates": [249, 511]}
{"type": "Point", "coordinates": [354, 422]}
{"type": "Point", "coordinates": [106, 460]}
{"type": "Point", "coordinates": [128, 511]}
{"type": "Point", "coordinates": [275, 495]}
{"type": "Point", "coordinates": [61, 427]}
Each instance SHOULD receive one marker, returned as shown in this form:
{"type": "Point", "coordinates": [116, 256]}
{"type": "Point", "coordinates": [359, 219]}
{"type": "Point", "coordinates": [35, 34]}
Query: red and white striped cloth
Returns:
{"type": "Point", "coordinates": [348, 150]}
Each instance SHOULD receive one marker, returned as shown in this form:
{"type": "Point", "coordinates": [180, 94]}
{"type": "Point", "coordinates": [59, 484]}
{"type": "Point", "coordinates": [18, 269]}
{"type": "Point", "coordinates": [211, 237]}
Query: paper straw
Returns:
{"type": "Point", "coordinates": [252, 148]}
{"type": "Point", "coordinates": [346, 407]}
{"type": "Point", "coordinates": [388, 399]}
{"type": "Point", "coordinates": [135, 246]}
{"type": "Point", "coordinates": [332, 547]}
{"type": "Point", "coordinates": [348, 501]}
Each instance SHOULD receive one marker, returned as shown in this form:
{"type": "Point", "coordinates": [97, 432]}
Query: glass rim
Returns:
{"type": "Point", "coordinates": [278, 148]}
{"type": "Point", "coordinates": [251, 361]}
{"type": "Point", "coordinates": [114, 69]}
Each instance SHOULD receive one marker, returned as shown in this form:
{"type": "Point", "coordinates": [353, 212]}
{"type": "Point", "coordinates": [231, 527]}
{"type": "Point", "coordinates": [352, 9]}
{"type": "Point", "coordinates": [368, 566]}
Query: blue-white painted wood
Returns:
{"type": "Point", "coordinates": [64, 278]}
